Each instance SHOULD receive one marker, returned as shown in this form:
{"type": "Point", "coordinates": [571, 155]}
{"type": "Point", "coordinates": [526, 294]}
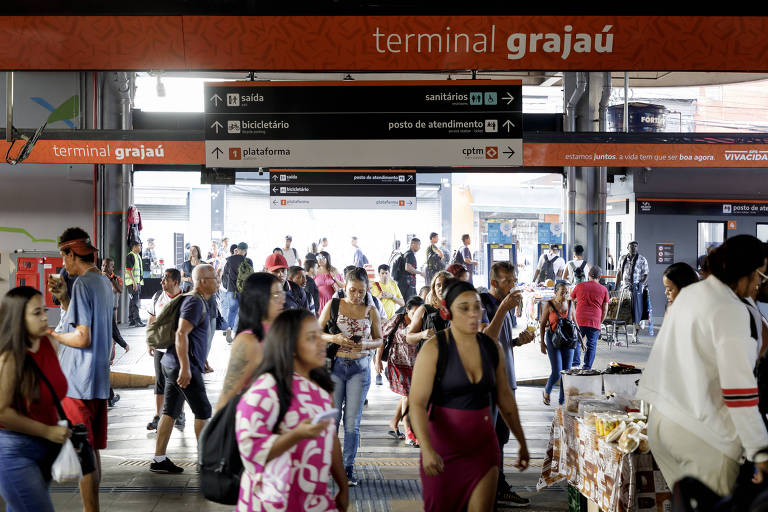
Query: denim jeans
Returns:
{"type": "Point", "coordinates": [351, 379]}
{"type": "Point", "coordinates": [589, 355]}
{"type": "Point", "coordinates": [576, 361]}
{"type": "Point", "coordinates": [23, 485]}
{"type": "Point", "coordinates": [559, 359]}
{"type": "Point", "coordinates": [229, 309]}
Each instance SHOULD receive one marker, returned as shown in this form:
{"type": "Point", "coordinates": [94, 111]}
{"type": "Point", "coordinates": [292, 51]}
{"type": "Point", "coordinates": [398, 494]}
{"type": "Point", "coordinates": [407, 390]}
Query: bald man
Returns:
{"type": "Point", "coordinates": [183, 365]}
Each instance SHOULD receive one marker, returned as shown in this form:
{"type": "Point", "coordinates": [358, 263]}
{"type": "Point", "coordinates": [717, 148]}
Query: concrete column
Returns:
{"type": "Point", "coordinates": [585, 186]}
{"type": "Point", "coordinates": [116, 92]}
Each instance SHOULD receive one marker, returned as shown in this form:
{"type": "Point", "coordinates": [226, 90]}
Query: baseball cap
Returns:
{"type": "Point", "coordinates": [242, 246]}
{"type": "Point", "coordinates": [275, 261]}
{"type": "Point", "coordinates": [288, 237]}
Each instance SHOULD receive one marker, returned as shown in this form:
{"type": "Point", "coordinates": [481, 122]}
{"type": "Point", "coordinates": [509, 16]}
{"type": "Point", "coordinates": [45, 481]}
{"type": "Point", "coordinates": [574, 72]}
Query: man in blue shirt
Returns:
{"type": "Point", "coordinates": [500, 304]}
{"type": "Point", "coordinates": [183, 366]}
{"type": "Point", "coordinates": [85, 338]}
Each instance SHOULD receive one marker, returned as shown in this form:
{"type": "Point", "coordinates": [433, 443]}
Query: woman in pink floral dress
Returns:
{"type": "Point", "coordinates": [287, 460]}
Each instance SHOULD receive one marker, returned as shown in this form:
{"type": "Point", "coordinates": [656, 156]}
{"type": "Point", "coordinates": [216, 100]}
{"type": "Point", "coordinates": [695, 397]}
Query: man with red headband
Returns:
{"type": "Point", "coordinates": [85, 340]}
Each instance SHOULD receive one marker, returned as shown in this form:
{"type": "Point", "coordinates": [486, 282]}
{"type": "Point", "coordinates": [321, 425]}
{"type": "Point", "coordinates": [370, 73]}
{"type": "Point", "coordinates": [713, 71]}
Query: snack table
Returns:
{"type": "Point", "coordinates": [609, 478]}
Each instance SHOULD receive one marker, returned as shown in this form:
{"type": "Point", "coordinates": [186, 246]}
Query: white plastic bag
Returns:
{"type": "Point", "coordinates": [66, 467]}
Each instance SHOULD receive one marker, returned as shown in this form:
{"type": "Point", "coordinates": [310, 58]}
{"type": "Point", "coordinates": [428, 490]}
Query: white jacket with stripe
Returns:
{"type": "Point", "coordinates": [700, 371]}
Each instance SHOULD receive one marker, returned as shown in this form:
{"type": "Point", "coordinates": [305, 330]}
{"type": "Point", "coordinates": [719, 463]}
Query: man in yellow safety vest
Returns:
{"type": "Point", "coordinates": [134, 280]}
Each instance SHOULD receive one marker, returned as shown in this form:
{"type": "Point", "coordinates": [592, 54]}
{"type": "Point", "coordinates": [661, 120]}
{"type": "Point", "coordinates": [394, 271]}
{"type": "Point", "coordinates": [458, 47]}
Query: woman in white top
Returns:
{"type": "Point", "coordinates": [699, 378]}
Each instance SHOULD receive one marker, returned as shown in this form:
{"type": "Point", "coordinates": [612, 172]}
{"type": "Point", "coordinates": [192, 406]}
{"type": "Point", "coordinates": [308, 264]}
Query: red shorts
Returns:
{"type": "Point", "coordinates": [93, 414]}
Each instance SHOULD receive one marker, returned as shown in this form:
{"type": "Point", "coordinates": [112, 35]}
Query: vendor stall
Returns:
{"type": "Point", "coordinates": [602, 452]}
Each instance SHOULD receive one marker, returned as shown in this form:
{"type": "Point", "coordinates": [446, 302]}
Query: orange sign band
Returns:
{"type": "Point", "coordinates": [385, 43]}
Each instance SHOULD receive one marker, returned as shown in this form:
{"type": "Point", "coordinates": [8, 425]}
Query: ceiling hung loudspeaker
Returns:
{"type": "Point", "coordinates": [643, 117]}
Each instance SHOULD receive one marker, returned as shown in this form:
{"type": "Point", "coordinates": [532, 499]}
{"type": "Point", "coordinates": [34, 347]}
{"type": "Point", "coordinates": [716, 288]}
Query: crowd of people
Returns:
{"type": "Point", "coordinates": [303, 339]}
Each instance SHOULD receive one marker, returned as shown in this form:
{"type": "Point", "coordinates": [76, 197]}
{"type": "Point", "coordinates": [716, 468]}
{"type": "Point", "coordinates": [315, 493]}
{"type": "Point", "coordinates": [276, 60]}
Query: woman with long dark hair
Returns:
{"type": "Point", "coordinates": [676, 277]}
{"type": "Point", "coordinates": [188, 266]}
{"type": "Point", "coordinates": [357, 325]}
{"type": "Point", "coordinates": [327, 279]}
{"type": "Point", "coordinates": [559, 358]}
{"type": "Point", "coordinates": [705, 418]}
{"type": "Point", "coordinates": [285, 456]}
{"type": "Point", "coordinates": [451, 401]}
{"type": "Point", "coordinates": [30, 438]}
{"type": "Point", "coordinates": [261, 301]}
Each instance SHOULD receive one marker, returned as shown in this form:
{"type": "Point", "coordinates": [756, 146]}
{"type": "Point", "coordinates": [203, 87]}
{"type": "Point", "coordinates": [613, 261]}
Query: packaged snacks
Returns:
{"type": "Point", "coordinates": [630, 439]}
{"type": "Point", "coordinates": [580, 385]}
{"type": "Point", "coordinates": [614, 434]}
{"type": "Point", "coordinates": [643, 446]}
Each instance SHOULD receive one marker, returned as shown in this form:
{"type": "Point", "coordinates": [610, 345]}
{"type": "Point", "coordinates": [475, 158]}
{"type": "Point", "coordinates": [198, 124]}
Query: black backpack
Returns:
{"type": "Point", "coordinates": [219, 456]}
{"type": "Point", "coordinates": [398, 267]}
{"type": "Point", "coordinates": [566, 334]}
{"type": "Point", "coordinates": [578, 272]}
{"type": "Point", "coordinates": [457, 257]}
{"type": "Point", "coordinates": [434, 261]}
{"type": "Point", "coordinates": [547, 269]}
{"type": "Point", "coordinates": [331, 328]}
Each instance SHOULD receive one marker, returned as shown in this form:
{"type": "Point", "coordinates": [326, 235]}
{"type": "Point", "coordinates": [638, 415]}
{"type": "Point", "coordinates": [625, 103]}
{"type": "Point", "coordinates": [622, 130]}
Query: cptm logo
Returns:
{"type": "Point", "coordinates": [492, 152]}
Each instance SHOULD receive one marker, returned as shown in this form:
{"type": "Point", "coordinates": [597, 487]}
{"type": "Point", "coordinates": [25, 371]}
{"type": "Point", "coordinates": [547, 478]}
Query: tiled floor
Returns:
{"type": "Point", "coordinates": [388, 469]}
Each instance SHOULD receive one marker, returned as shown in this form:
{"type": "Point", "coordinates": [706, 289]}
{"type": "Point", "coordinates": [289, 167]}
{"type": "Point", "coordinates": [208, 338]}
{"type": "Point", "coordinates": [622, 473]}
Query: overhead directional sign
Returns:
{"type": "Point", "coordinates": [474, 123]}
{"type": "Point", "coordinates": [325, 188]}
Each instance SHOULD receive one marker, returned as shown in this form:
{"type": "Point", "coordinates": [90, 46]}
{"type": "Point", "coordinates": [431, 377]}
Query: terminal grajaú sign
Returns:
{"type": "Point", "coordinates": [364, 124]}
{"type": "Point", "coordinates": [385, 43]}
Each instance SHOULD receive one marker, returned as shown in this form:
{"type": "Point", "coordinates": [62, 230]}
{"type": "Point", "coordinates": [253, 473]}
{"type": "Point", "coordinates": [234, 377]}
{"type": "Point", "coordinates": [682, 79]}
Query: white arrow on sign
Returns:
{"type": "Point", "coordinates": [217, 125]}
{"type": "Point", "coordinates": [509, 98]}
{"type": "Point", "coordinates": [216, 99]}
{"type": "Point", "coordinates": [508, 125]}
{"type": "Point", "coordinates": [275, 189]}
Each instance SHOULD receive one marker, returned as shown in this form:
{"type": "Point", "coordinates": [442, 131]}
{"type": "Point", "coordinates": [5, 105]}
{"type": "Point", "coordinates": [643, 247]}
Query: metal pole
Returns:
{"type": "Point", "coordinates": [626, 102]}
{"type": "Point", "coordinates": [9, 106]}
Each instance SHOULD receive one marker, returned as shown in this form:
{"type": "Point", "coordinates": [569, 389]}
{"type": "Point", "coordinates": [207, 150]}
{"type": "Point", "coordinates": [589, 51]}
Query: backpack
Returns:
{"type": "Point", "coordinates": [457, 257]}
{"type": "Point", "coordinates": [547, 269]}
{"type": "Point", "coordinates": [565, 336]}
{"type": "Point", "coordinates": [219, 456]}
{"type": "Point", "coordinates": [487, 345]}
{"type": "Point", "coordinates": [434, 262]}
{"type": "Point", "coordinates": [398, 267]}
{"type": "Point", "coordinates": [332, 328]}
{"type": "Point", "coordinates": [244, 270]}
{"type": "Point", "coordinates": [578, 273]}
{"type": "Point", "coordinates": [161, 334]}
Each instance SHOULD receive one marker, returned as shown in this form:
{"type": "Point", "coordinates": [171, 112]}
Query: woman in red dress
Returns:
{"type": "Point", "coordinates": [452, 408]}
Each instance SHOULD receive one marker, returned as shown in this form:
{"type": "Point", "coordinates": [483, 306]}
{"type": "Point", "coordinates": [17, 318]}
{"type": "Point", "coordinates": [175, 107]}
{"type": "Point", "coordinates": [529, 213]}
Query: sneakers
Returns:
{"type": "Point", "coordinates": [112, 401]}
{"type": "Point", "coordinates": [351, 479]}
{"type": "Point", "coordinates": [511, 499]}
{"type": "Point", "coordinates": [228, 335]}
{"type": "Point", "coordinates": [410, 439]}
{"type": "Point", "coordinates": [181, 422]}
{"type": "Point", "coordinates": [152, 425]}
{"type": "Point", "coordinates": [166, 466]}
{"type": "Point", "coordinates": [379, 380]}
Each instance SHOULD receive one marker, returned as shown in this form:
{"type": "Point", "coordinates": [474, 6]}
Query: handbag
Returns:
{"type": "Point", "coordinates": [79, 439]}
{"type": "Point", "coordinates": [565, 335]}
{"type": "Point", "coordinates": [332, 328]}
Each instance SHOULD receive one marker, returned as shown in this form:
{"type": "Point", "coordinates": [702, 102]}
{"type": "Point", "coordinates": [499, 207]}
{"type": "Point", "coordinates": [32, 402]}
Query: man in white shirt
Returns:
{"type": "Point", "coordinates": [290, 254]}
{"type": "Point", "coordinates": [552, 259]}
{"type": "Point", "coordinates": [576, 270]}
{"type": "Point", "coordinates": [170, 290]}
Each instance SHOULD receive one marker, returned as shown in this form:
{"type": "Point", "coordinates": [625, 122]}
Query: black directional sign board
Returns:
{"type": "Point", "coordinates": [364, 124]}
{"type": "Point", "coordinates": [351, 189]}
{"type": "Point", "coordinates": [361, 97]}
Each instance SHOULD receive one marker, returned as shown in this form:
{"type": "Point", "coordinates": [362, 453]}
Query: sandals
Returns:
{"type": "Point", "coordinates": [412, 441]}
{"type": "Point", "coordinates": [545, 398]}
{"type": "Point", "coordinates": [396, 434]}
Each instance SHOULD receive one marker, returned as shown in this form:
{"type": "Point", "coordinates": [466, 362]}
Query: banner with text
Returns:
{"type": "Point", "coordinates": [385, 43]}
